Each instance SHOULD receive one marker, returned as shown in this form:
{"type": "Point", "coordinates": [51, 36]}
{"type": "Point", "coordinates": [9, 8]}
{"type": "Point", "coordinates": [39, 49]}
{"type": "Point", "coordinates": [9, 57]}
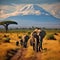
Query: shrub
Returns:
{"type": "Point", "coordinates": [29, 33]}
{"type": "Point", "coordinates": [51, 37]}
{"type": "Point", "coordinates": [17, 43]}
{"type": "Point", "coordinates": [6, 35]}
{"type": "Point", "coordinates": [20, 37]}
{"type": "Point", "coordinates": [55, 34]}
{"type": "Point", "coordinates": [7, 40]}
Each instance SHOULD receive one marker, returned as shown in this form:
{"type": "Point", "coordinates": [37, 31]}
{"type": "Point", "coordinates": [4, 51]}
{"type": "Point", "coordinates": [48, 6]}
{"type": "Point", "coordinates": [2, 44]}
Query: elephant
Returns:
{"type": "Point", "coordinates": [25, 40]}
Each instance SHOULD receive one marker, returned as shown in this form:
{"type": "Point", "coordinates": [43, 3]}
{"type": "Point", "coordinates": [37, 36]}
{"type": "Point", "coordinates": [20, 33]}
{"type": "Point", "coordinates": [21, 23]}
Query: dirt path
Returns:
{"type": "Point", "coordinates": [19, 55]}
{"type": "Point", "coordinates": [27, 54]}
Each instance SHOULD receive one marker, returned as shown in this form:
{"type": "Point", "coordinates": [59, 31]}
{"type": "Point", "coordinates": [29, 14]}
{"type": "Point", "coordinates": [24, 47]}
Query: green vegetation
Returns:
{"type": "Point", "coordinates": [51, 37]}
{"type": "Point", "coordinates": [29, 30]}
{"type": "Point", "coordinates": [7, 40]}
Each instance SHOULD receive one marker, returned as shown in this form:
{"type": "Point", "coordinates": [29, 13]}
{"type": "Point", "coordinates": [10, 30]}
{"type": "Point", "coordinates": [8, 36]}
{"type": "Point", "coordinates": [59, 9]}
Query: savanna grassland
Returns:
{"type": "Point", "coordinates": [51, 45]}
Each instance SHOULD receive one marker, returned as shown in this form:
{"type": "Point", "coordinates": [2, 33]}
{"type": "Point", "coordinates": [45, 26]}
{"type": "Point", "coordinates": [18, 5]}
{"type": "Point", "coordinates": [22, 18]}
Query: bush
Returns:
{"type": "Point", "coordinates": [6, 35]}
{"type": "Point", "coordinates": [55, 34]}
{"type": "Point", "coordinates": [51, 37]}
{"type": "Point", "coordinates": [19, 37]}
{"type": "Point", "coordinates": [29, 33]}
{"type": "Point", "coordinates": [17, 43]}
{"type": "Point", "coordinates": [7, 40]}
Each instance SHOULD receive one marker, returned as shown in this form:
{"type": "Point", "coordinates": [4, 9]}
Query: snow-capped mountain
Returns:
{"type": "Point", "coordinates": [31, 15]}
{"type": "Point", "coordinates": [32, 11]}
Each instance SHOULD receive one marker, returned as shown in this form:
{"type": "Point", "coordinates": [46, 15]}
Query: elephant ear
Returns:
{"type": "Point", "coordinates": [42, 33]}
{"type": "Point", "coordinates": [34, 34]}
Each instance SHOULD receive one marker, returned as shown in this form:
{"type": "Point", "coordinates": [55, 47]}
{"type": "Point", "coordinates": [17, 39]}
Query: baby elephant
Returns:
{"type": "Point", "coordinates": [25, 40]}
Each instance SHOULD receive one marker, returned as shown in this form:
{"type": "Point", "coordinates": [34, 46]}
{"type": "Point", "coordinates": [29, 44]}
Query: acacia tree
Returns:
{"type": "Point", "coordinates": [7, 23]}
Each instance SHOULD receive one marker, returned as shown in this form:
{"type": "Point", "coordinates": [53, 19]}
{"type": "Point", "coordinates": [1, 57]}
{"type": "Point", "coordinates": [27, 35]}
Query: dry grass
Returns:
{"type": "Point", "coordinates": [51, 51]}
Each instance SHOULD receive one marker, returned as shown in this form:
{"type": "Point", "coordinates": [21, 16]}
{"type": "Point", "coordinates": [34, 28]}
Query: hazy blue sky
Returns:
{"type": "Point", "coordinates": [39, 13]}
{"type": "Point", "coordinates": [29, 1]}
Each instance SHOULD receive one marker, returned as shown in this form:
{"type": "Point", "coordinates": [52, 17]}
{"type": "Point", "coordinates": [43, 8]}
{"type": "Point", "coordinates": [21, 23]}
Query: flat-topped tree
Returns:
{"type": "Point", "coordinates": [7, 23]}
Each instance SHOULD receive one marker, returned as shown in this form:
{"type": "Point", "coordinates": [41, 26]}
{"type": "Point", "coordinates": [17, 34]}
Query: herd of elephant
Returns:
{"type": "Point", "coordinates": [35, 39]}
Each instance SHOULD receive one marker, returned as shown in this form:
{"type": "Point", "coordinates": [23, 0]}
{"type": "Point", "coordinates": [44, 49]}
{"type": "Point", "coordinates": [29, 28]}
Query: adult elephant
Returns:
{"type": "Point", "coordinates": [41, 34]}
{"type": "Point", "coordinates": [35, 41]}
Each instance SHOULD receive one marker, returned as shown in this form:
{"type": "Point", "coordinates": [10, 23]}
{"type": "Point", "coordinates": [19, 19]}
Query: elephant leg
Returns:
{"type": "Point", "coordinates": [33, 46]}
{"type": "Point", "coordinates": [36, 46]}
{"type": "Point", "coordinates": [39, 48]}
{"type": "Point", "coordinates": [41, 44]}
{"type": "Point", "coordinates": [25, 44]}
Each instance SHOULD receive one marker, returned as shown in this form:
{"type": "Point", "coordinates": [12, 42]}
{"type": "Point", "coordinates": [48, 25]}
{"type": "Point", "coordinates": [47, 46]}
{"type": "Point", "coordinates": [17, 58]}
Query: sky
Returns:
{"type": "Point", "coordinates": [28, 13]}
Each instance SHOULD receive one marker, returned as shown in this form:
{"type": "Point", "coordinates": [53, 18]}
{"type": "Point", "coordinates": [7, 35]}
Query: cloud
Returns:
{"type": "Point", "coordinates": [14, 10]}
{"type": "Point", "coordinates": [53, 9]}
{"type": "Point", "coordinates": [28, 9]}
